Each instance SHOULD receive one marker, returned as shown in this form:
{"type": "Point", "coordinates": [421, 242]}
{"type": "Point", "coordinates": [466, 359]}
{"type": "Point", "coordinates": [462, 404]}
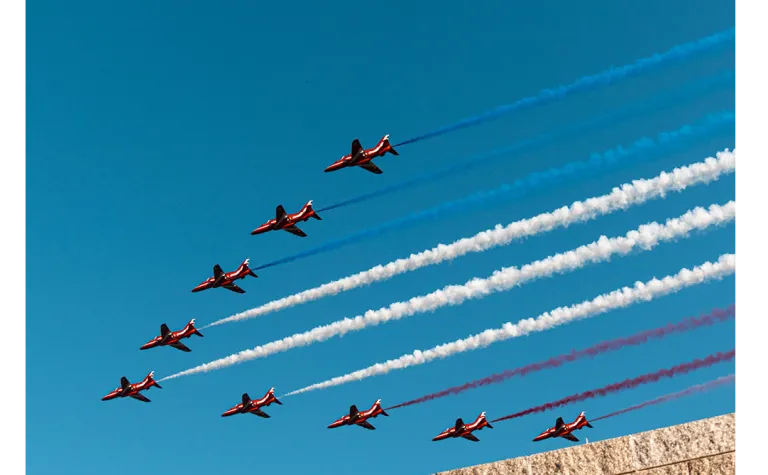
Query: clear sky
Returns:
{"type": "Point", "coordinates": [161, 133]}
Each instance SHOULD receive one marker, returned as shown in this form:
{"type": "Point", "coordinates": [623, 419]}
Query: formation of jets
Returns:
{"type": "Point", "coordinates": [359, 157]}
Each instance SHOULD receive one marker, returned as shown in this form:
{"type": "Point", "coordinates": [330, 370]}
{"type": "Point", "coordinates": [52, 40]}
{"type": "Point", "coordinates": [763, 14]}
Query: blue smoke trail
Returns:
{"type": "Point", "coordinates": [662, 101]}
{"type": "Point", "coordinates": [640, 150]}
{"type": "Point", "coordinates": [586, 83]}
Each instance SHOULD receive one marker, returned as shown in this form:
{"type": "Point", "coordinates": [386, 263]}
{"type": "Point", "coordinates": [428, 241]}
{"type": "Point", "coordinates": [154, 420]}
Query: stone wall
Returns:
{"type": "Point", "coordinates": [707, 446]}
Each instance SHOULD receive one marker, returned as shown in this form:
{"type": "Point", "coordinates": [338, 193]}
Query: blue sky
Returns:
{"type": "Point", "coordinates": [160, 135]}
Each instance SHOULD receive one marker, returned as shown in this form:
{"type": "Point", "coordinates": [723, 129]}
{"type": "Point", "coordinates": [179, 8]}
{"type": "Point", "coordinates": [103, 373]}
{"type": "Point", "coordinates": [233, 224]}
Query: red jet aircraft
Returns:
{"type": "Point", "coordinates": [226, 279]}
{"type": "Point", "coordinates": [167, 337]}
{"type": "Point", "coordinates": [287, 222]}
{"type": "Point", "coordinates": [360, 418]}
{"type": "Point", "coordinates": [127, 389]}
{"type": "Point", "coordinates": [362, 158]}
{"type": "Point", "coordinates": [564, 430]}
{"type": "Point", "coordinates": [254, 407]}
{"type": "Point", "coordinates": [465, 430]}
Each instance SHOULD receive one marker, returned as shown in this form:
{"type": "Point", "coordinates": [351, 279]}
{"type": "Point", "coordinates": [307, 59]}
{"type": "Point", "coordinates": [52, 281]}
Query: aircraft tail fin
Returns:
{"type": "Point", "coordinates": [271, 393]}
{"type": "Point", "coordinates": [377, 405]}
{"type": "Point", "coordinates": [195, 331]}
{"type": "Point", "coordinates": [151, 380]}
{"type": "Point", "coordinates": [248, 269]}
{"type": "Point", "coordinates": [388, 147]}
{"type": "Point", "coordinates": [311, 211]}
{"type": "Point", "coordinates": [483, 421]}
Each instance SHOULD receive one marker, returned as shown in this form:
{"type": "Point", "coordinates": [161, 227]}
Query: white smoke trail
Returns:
{"type": "Point", "coordinates": [645, 237]}
{"type": "Point", "coordinates": [623, 197]}
{"type": "Point", "coordinates": [641, 291]}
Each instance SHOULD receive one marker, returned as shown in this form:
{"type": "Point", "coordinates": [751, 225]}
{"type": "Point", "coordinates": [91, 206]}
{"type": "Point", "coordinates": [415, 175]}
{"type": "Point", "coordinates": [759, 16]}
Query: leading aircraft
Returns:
{"type": "Point", "coordinates": [127, 389]}
{"type": "Point", "coordinates": [356, 417]}
{"type": "Point", "coordinates": [361, 157]}
{"type": "Point", "coordinates": [564, 430]}
{"type": "Point", "coordinates": [226, 279]}
{"type": "Point", "coordinates": [254, 407]}
{"type": "Point", "coordinates": [167, 337]}
{"type": "Point", "coordinates": [287, 222]}
{"type": "Point", "coordinates": [464, 430]}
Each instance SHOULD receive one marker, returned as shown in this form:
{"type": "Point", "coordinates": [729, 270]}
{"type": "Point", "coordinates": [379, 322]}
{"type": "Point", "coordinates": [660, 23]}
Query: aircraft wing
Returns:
{"type": "Point", "coordinates": [260, 413]}
{"type": "Point", "coordinates": [180, 346]}
{"type": "Point", "coordinates": [367, 425]}
{"type": "Point", "coordinates": [234, 288]}
{"type": "Point", "coordinates": [140, 397]}
{"type": "Point", "coordinates": [471, 437]}
{"type": "Point", "coordinates": [280, 214]}
{"type": "Point", "coordinates": [218, 273]}
{"type": "Point", "coordinates": [371, 168]}
{"type": "Point", "coordinates": [357, 150]}
{"type": "Point", "coordinates": [295, 231]}
{"type": "Point", "coordinates": [570, 437]}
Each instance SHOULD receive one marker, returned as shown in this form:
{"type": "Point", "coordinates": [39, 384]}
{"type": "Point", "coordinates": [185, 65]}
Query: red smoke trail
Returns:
{"type": "Point", "coordinates": [713, 317]}
{"type": "Point", "coordinates": [669, 397]}
{"type": "Point", "coordinates": [628, 383]}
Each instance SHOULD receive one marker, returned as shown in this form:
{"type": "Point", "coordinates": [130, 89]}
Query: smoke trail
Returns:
{"type": "Point", "coordinates": [716, 316]}
{"type": "Point", "coordinates": [621, 198]}
{"type": "Point", "coordinates": [587, 83]}
{"type": "Point", "coordinates": [628, 383]}
{"type": "Point", "coordinates": [641, 149]}
{"type": "Point", "coordinates": [662, 101]}
{"type": "Point", "coordinates": [646, 237]}
{"type": "Point", "coordinates": [641, 291]}
{"type": "Point", "coordinates": [698, 388]}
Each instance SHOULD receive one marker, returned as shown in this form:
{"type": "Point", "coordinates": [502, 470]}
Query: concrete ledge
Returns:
{"type": "Point", "coordinates": [706, 446]}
